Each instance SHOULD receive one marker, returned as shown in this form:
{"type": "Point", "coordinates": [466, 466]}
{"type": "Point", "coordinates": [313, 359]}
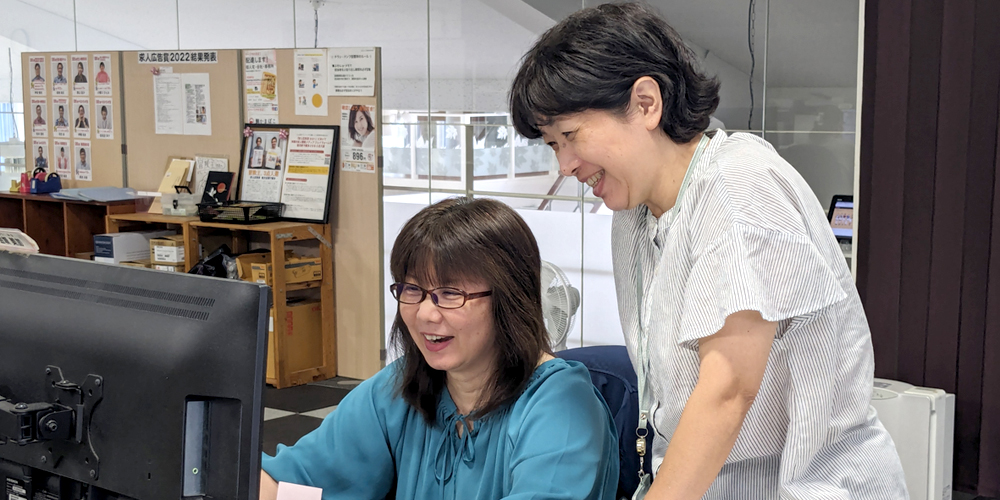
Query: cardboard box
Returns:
{"type": "Point", "coordinates": [297, 270]}
{"type": "Point", "coordinates": [303, 342]}
{"type": "Point", "coordinates": [85, 255]}
{"type": "Point", "coordinates": [172, 269]}
{"type": "Point", "coordinates": [137, 263]}
{"type": "Point", "coordinates": [244, 261]}
{"type": "Point", "coordinates": [167, 250]}
{"type": "Point", "coordinates": [115, 248]}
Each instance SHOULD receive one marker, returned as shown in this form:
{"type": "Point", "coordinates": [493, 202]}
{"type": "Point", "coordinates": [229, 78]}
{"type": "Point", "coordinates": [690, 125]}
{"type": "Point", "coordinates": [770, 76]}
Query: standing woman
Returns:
{"type": "Point", "coordinates": [741, 317]}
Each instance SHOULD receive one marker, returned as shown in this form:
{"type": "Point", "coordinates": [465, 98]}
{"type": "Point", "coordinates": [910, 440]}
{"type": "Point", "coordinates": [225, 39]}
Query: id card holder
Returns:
{"type": "Point", "coordinates": [644, 482]}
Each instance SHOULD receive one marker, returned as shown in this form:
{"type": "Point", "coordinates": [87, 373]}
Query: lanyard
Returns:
{"type": "Point", "coordinates": [642, 349]}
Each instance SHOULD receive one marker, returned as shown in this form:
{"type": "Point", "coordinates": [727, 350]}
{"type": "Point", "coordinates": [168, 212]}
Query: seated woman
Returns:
{"type": "Point", "coordinates": [477, 407]}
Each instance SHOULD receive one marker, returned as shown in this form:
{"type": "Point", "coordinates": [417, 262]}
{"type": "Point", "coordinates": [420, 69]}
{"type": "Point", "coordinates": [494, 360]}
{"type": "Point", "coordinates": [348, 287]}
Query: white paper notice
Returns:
{"type": "Point", "coordinates": [202, 166]}
{"type": "Point", "coordinates": [80, 81]}
{"type": "Point", "coordinates": [103, 118]}
{"type": "Point", "coordinates": [82, 160]}
{"type": "Point", "coordinates": [62, 157]}
{"type": "Point", "coordinates": [39, 124]}
{"type": "Point", "coordinates": [260, 68]}
{"type": "Point", "coordinates": [81, 124]}
{"type": "Point", "coordinates": [357, 144]}
{"type": "Point", "coordinates": [168, 103]}
{"type": "Point", "coordinates": [61, 116]}
{"type": "Point", "coordinates": [304, 190]}
{"type": "Point", "coordinates": [310, 82]}
{"type": "Point", "coordinates": [197, 104]}
{"type": "Point", "coordinates": [352, 71]}
{"type": "Point", "coordinates": [262, 174]}
{"type": "Point", "coordinates": [60, 68]}
{"type": "Point", "coordinates": [36, 66]}
{"type": "Point", "coordinates": [102, 74]}
{"type": "Point", "coordinates": [40, 154]}
{"type": "Point", "coordinates": [291, 491]}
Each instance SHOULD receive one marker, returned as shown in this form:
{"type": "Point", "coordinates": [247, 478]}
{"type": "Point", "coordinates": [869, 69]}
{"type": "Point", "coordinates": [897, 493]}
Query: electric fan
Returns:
{"type": "Point", "coordinates": [559, 304]}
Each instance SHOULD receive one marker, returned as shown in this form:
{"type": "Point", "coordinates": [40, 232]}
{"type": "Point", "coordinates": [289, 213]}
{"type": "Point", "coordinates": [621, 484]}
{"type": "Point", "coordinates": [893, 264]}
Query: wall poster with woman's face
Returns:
{"type": "Point", "coordinates": [357, 137]}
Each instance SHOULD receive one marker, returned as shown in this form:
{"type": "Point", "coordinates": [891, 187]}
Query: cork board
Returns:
{"type": "Point", "coordinates": [148, 152]}
{"type": "Point", "coordinates": [356, 219]}
{"type": "Point", "coordinates": [105, 154]}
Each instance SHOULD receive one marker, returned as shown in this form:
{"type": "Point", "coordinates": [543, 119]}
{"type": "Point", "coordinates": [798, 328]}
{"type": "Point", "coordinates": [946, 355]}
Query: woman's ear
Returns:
{"type": "Point", "coordinates": [647, 102]}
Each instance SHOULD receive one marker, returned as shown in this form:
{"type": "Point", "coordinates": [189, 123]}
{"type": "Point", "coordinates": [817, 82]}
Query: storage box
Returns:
{"type": "Point", "coordinates": [167, 250]}
{"type": "Point", "coordinates": [303, 342]}
{"type": "Point", "coordinates": [115, 248]}
{"type": "Point", "coordinates": [297, 270]}
{"type": "Point", "coordinates": [172, 269]}
{"type": "Point", "coordinates": [138, 263]}
{"type": "Point", "coordinates": [244, 261]}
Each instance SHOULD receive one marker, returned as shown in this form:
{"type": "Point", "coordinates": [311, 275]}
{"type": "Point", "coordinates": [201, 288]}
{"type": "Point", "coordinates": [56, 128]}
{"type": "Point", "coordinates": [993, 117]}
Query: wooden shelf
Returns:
{"type": "Point", "coordinates": [143, 220]}
{"type": "Point", "coordinates": [303, 286]}
{"type": "Point", "coordinates": [60, 227]}
{"type": "Point", "coordinates": [280, 233]}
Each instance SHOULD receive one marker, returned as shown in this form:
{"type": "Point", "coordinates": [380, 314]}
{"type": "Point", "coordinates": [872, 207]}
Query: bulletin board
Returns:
{"type": "Point", "coordinates": [106, 157]}
{"type": "Point", "coordinates": [149, 151]}
{"type": "Point", "coordinates": [356, 219]}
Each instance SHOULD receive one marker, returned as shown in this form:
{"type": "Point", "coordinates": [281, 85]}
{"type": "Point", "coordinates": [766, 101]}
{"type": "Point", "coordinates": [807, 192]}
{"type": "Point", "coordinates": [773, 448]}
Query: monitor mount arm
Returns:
{"type": "Point", "coordinates": [66, 419]}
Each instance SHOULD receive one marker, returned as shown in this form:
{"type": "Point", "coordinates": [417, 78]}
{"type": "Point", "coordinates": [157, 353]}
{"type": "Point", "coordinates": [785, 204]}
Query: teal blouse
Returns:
{"type": "Point", "coordinates": [556, 441]}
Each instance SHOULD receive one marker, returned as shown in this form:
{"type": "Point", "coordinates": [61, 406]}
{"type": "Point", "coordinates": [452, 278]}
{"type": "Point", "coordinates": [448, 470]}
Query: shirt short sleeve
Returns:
{"type": "Point", "coordinates": [779, 274]}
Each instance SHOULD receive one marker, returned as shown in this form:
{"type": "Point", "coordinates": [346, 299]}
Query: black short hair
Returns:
{"type": "Point", "coordinates": [591, 60]}
{"type": "Point", "coordinates": [482, 240]}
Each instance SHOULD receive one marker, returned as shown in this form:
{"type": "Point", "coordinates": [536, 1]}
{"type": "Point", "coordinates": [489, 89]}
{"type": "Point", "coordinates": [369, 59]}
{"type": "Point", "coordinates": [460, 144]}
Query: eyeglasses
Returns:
{"type": "Point", "coordinates": [445, 297]}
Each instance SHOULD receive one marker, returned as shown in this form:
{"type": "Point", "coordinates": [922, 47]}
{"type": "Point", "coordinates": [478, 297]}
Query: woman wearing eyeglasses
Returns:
{"type": "Point", "coordinates": [477, 407]}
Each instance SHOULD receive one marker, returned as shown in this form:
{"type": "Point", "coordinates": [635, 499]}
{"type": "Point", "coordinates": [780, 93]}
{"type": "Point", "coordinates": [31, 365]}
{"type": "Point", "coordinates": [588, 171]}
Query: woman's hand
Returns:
{"type": "Point", "coordinates": [268, 487]}
{"type": "Point", "coordinates": [732, 368]}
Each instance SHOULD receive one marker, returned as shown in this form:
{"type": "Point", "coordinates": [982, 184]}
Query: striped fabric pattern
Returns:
{"type": "Point", "coordinates": [747, 233]}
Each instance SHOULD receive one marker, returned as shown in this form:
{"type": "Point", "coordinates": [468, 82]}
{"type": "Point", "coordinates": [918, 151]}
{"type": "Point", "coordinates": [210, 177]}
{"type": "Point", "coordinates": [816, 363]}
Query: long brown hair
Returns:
{"type": "Point", "coordinates": [462, 239]}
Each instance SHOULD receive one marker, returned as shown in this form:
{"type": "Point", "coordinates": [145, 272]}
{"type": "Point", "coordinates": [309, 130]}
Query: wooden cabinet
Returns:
{"type": "Point", "coordinates": [60, 227]}
{"type": "Point", "coordinates": [278, 234]}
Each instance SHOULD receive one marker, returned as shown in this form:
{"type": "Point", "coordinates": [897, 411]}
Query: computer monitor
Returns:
{"type": "Point", "coordinates": [841, 217]}
{"type": "Point", "coordinates": [127, 383]}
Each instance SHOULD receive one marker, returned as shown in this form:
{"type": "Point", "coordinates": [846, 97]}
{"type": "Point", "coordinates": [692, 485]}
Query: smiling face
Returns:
{"type": "Point", "coordinates": [83, 155]}
{"type": "Point", "coordinates": [599, 148]}
{"type": "Point", "coordinates": [274, 143]}
{"type": "Point", "coordinates": [59, 69]}
{"type": "Point", "coordinates": [456, 341]}
{"type": "Point", "coordinates": [61, 112]}
{"type": "Point", "coordinates": [79, 68]}
{"type": "Point", "coordinates": [38, 111]}
{"type": "Point", "coordinates": [80, 111]}
{"type": "Point", "coordinates": [360, 124]}
{"type": "Point", "coordinates": [38, 70]}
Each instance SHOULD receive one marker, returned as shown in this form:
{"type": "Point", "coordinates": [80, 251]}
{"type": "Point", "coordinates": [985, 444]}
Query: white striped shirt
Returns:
{"type": "Point", "coordinates": [747, 233]}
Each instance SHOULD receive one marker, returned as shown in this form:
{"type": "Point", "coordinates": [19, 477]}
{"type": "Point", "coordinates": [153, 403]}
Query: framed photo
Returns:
{"type": "Point", "coordinates": [290, 164]}
{"type": "Point", "coordinates": [217, 188]}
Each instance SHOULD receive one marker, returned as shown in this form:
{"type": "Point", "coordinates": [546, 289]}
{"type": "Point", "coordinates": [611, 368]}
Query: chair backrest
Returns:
{"type": "Point", "coordinates": [612, 373]}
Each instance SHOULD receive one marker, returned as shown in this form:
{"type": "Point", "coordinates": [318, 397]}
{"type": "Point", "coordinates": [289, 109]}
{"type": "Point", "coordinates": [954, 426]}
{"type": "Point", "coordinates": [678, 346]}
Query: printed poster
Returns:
{"type": "Point", "coordinates": [60, 116]}
{"type": "Point", "coordinates": [61, 158]}
{"type": "Point", "coordinates": [40, 154]}
{"type": "Point", "coordinates": [260, 68]}
{"type": "Point", "coordinates": [82, 160]}
{"type": "Point", "coordinates": [197, 104]}
{"type": "Point", "coordinates": [309, 173]}
{"type": "Point", "coordinates": [102, 74]}
{"type": "Point", "coordinates": [352, 71]}
{"type": "Point", "coordinates": [81, 83]}
{"type": "Point", "coordinates": [357, 144]}
{"type": "Point", "coordinates": [182, 104]}
{"type": "Point", "coordinates": [81, 124]}
{"type": "Point", "coordinates": [39, 124]}
{"type": "Point", "coordinates": [262, 176]}
{"type": "Point", "coordinates": [310, 82]}
{"type": "Point", "coordinates": [60, 68]}
{"type": "Point", "coordinates": [103, 114]}
{"type": "Point", "coordinates": [37, 68]}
